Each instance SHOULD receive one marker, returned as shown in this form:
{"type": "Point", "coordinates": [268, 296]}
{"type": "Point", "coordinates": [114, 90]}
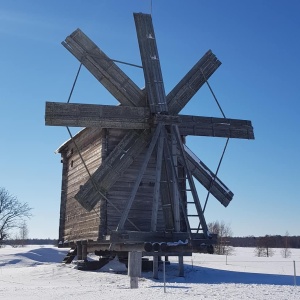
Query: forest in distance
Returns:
{"type": "Point", "coordinates": [273, 241]}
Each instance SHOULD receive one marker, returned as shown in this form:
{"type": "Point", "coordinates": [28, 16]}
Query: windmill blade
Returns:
{"type": "Point", "coordinates": [104, 69]}
{"type": "Point", "coordinates": [92, 115]}
{"type": "Point", "coordinates": [207, 178]}
{"type": "Point", "coordinates": [128, 117]}
{"type": "Point", "coordinates": [123, 155]}
{"type": "Point", "coordinates": [192, 82]}
{"type": "Point", "coordinates": [151, 64]}
{"type": "Point", "coordinates": [216, 127]}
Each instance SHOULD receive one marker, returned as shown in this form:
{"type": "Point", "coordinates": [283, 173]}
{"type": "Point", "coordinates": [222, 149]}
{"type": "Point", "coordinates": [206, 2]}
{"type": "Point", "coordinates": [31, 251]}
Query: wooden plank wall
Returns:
{"type": "Point", "coordinates": [140, 213]}
{"type": "Point", "coordinates": [78, 224]}
{"type": "Point", "coordinates": [75, 222]}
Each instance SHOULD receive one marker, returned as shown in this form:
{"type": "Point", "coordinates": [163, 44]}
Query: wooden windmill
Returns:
{"type": "Point", "coordinates": [135, 195]}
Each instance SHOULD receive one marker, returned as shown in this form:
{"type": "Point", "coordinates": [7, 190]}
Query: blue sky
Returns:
{"type": "Point", "coordinates": [258, 43]}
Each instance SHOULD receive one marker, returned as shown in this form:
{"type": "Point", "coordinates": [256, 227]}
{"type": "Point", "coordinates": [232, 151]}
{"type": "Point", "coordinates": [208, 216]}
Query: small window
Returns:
{"type": "Point", "coordinates": [72, 163]}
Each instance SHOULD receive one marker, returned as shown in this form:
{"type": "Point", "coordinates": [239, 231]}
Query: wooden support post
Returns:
{"type": "Point", "coordinates": [79, 250]}
{"type": "Point", "coordinates": [134, 268]}
{"type": "Point", "coordinates": [155, 267]}
{"type": "Point", "coordinates": [181, 267]}
{"type": "Point", "coordinates": [84, 250]}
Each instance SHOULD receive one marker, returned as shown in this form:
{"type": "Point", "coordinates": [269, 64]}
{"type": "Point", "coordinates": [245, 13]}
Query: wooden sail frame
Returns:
{"type": "Point", "coordinates": [152, 121]}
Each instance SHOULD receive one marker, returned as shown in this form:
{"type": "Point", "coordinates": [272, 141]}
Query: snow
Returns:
{"type": "Point", "coordinates": [36, 272]}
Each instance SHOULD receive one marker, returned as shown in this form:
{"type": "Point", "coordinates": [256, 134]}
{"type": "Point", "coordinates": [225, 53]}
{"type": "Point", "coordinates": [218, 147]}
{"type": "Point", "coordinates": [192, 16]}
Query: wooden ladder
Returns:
{"type": "Point", "coordinates": [70, 255]}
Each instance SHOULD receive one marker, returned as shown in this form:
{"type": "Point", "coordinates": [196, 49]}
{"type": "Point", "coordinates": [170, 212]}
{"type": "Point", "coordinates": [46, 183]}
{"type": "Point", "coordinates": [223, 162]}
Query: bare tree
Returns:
{"type": "Point", "coordinates": [224, 232]}
{"type": "Point", "coordinates": [264, 246]}
{"type": "Point", "coordinates": [286, 251]}
{"type": "Point", "coordinates": [12, 213]}
{"type": "Point", "coordinates": [23, 233]}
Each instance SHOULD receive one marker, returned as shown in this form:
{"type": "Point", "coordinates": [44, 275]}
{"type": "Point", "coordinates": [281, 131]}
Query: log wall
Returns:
{"type": "Point", "coordinates": [140, 213]}
{"type": "Point", "coordinates": [76, 223]}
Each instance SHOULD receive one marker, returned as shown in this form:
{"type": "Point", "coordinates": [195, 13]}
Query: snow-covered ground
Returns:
{"type": "Point", "coordinates": [36, 272]}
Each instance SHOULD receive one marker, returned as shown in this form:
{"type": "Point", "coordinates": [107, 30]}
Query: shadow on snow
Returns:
{"type": "Point", "coordinates": [205, 275]}
{"type": "Point", "coordinates": [45, 255]}
{"type": "Point", "coordinates": [38, 256]}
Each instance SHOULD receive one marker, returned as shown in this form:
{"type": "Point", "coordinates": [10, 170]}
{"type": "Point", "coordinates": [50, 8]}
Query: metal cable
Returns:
{"type": "Point", "coordinates": [72, 89]}
{"type": "Point", "coordinates": [216, 173]}
{"type": "Point", "coordinates": [213, 94]}
{"type": "Point", "coordinates": [212, 183]}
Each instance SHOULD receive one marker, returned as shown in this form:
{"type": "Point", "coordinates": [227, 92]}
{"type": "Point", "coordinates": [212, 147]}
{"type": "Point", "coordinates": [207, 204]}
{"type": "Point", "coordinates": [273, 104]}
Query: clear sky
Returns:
{"type": "Point", "coordinates": [258, 43]}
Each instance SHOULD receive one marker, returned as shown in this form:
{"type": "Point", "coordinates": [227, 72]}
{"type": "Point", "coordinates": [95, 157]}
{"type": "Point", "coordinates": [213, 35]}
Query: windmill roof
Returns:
{"type": "Point", "coordinates": [62, 146]}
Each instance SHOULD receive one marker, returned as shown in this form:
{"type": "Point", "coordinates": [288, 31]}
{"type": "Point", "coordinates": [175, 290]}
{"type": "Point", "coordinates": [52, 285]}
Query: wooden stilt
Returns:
{"type": "Point", "coordinates": [155, 267]}
{"type": "Point", "coordinates": [79, 250]}
{"type": "Point", "coordinates": [134, 268]}
{"type": "Point", "coordinates": [181, 267]}
{"type": "Point", "coordinates": [84, 250]}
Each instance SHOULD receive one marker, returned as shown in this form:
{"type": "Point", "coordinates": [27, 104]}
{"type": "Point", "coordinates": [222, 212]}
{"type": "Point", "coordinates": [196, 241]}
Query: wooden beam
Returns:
{"type": "Point", "coordinates": [92, 115]}
{"type": "Point", "coordinates": [129, 117]}
{"type": "Point", "coordinates": [166, 189]}
{"type": "Point", "coordinates": [176, 201]}
{"type": "Point", "coordinates": [151, 64]}
{"type": "Point", "coordinates": [168, 156]}
{"type": "Point", "coordinates": [133, 143]}
{"type": "Point", "coordinates": [192, 82]}
{"type": "Point", "coordinates": [180, 266]}
{"type": "Point", "coordinates": [215, 127]}
{"type": "Point", "coordinates": [207, 178]}
{"type": "Point", "coordinates": [134, 268]}
{"type": "Point", "coordinates": [139, 178]}
{"type": "Point", "coordinates": [155, 267]}
{"type": "Point", "coordinates": [104, 69]}
{"type": "Point", "coordinates": [156, 193]}
{"type": "Point", "coordinates": [190, 180]}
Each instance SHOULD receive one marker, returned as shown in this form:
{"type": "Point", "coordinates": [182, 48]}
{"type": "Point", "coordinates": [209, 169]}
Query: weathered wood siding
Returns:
{"type": "Point", "coordinates": [140, 213]}
{"type": "Point", "coordinates": [75, 222]}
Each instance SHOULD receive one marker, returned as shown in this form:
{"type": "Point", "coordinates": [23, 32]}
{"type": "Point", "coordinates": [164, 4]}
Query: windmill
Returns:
{"type": "Point", "coordinates": [141, 184]}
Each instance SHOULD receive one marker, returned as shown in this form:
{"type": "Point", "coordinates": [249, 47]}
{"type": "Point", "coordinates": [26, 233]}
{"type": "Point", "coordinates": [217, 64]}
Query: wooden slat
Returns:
{"type": "Point", "coordinates": [139, 178]}
{"type": "Point", "coordinates": [126, 117]}
{"type": "Point", "coordinates": [192, 82]}
{"type": "Point", "coordinates": [206, 177]}
{"type": "Point", "coordinates": [175, 180]}
{"type": "Point", "coordinates": [190, 179]}
{"type": "Point", "coordinates": [156, 192]}
{"type": "Point", "coordinates": [92, 115]}
{"type": "Point", "coordinates": [166, 190]}
{"type": "Point", "coordinates": [215, 127]}
{"type": "Point", "coordinates": [151, 64]}
{"type": "Point", "coordinates": [104, 69]}
{"type": "Point", "coordinates": [113, 167]}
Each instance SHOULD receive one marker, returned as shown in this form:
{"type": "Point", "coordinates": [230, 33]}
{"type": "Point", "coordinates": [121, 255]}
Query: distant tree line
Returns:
{"type": "Point", "coordinates": [273, 241]}
{"type": "Point", "coordinates": [22, 242]}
